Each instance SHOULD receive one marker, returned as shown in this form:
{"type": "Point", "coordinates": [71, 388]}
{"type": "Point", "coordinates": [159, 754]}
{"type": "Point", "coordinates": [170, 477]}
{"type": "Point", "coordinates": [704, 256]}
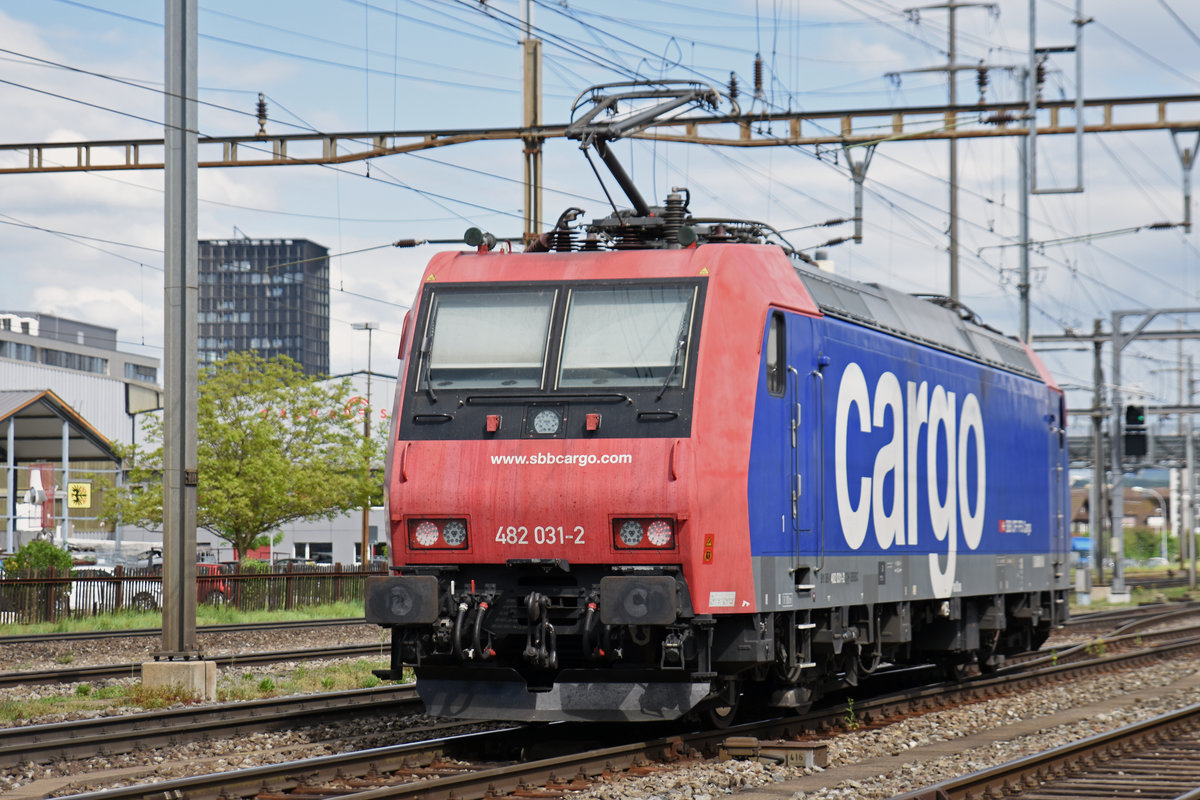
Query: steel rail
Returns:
{"type": "Point", "coordinates": [106, 671]}
{"type": "Point", "coordinates": [1034, 674]}
{"type": "Point", "coordinates": [238, 627]}
{"type": "Point", "coordinates": [1055, 770]}
{"type": "Point", "coordinates": [348, 770]}
{"type": "Point", "coordinates": [274, 778]}
{"type": "Point", "coordinates": [1118, 638]}
{"type": "Point", "coordinates": [1123, 615]}
{"type": "Point", "coordinates": [103, 736]}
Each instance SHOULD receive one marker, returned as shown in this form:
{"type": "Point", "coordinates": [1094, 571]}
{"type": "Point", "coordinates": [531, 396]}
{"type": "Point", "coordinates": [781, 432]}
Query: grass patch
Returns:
{"type": "Point", "coordinates": [151, 698]}
{"type": "Point", "coordinates": [304, 680]}
{"type": "Point", "coordinates": [205, 615]}
{"type": "Point", "coordinates": [12, 711]}
{"type": "Point", "coordinates": [230, 687]}
{"type": "Point", "coordinates": [1137, 596]}
{"type": "Point", "coordinates": [226, 615]}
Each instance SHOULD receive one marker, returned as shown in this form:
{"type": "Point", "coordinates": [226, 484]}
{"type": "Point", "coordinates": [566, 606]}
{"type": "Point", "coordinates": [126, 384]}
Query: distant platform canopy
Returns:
{"type": "Point", "coordinates": [34, 424]}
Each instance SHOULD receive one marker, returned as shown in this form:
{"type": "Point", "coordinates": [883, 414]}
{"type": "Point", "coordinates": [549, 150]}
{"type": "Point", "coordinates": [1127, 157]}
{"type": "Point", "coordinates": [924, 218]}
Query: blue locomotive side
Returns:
{"type": "Point", "coordinates": [866, 418]}
{"type": "Point", "coordinates": [912, 474]}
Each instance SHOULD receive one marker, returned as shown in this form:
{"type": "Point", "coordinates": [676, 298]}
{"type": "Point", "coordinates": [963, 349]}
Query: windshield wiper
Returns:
{"type": "Point", "coordinates": [426, 351]}
{"type": "Point", "coordinates": [679, 345]}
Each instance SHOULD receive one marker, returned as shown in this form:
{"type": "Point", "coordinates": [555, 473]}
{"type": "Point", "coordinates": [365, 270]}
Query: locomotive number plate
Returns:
{"type": "Point", "coordinates": [547, 534]}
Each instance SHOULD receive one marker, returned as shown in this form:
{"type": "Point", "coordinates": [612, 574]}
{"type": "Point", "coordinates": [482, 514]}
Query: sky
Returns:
{"type": "Point", "coordinates": [89, 245]}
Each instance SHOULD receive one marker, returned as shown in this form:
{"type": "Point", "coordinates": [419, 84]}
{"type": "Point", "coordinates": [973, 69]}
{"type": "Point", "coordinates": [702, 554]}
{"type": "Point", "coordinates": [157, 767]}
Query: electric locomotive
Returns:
{"type": "Point", "coordinates": [656, 466]}
{"type": "Point", "coordinates": [636, 483]}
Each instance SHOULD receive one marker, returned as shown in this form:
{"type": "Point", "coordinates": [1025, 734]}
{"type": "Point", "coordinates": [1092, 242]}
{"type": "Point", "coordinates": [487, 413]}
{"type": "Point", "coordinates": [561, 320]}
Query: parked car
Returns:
{"type": "Point", "coordinates": [212, 587]}
{"type": "Point", "coordinates": [94, 590]}
{"type": "Point", "coordinates": [301, 564]}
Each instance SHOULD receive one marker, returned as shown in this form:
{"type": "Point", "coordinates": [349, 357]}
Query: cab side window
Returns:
{"type": "Point", "coordinates": [776, 356]}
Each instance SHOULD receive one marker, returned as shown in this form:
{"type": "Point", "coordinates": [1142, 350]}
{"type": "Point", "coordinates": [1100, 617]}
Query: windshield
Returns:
{"type": "Point", "coordinates": [626, 336]}
{"type": "Point", "coordinates": [487, 339]}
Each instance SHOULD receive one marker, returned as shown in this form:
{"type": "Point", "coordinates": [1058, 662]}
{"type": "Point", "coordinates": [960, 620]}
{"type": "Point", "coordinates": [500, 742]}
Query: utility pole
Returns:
{"type": "Point", "coordinates": [364, 554]}
{"type": "Point", "coordinates": [1189, 483]}
{"type": "Point", "coordinates": [1116, 589]}
{"type": "Point", "coordinates": [180, 365]}
{"type": "Point", "coordinates": [532, 120]}
{"type": "Point", "coordinates": [183, 667]}
{"type": "Point", "coordinates": [1023, 280]}
{"type": "Point", "coordinates": [952, 68]}
{"type": "Point", "coordinates": [1033, 79]}
{"type": "Point", "coordinates": [1031, 94]}
{"type": "Point", "coordinates": [1187, 160]}
{"type": "Point", "coordinates": [1096, 501]}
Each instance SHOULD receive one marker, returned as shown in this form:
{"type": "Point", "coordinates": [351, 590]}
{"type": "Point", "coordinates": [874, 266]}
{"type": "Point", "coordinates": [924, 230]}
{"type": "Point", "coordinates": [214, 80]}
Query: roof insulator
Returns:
{"type": "Point", "coordinates": [262, 115]}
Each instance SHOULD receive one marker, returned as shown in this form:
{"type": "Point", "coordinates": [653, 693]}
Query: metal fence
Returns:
{"type": "Point", "coordinates": [48, 595]}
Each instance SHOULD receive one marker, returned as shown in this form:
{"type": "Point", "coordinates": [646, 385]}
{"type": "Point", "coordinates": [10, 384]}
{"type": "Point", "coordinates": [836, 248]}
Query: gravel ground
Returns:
{"type": "Point", "coordinates": [58, 655]}
{"type": "Point", "coordinates": [193, 758]}
{"type": "Point", "coordinates": [200, 758]}
{"type": "Point", "coordinates": [711, 780]}
{"type": "Point", "coordinates": [705, 781]}
{"type": "Point", "coordinates": [135, 649]}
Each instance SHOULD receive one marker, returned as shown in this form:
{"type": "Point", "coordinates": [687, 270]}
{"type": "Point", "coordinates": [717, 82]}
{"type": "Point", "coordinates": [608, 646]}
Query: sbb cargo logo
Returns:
{"type": "Point", "coordinates": [949, 429]}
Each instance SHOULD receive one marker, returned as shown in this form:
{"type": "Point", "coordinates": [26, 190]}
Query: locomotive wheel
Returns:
{"type": "Point", "coordinates": [723, 711]}
{"type": "Point", "coordinates": [953, 670]}
{"type": "Point", "coordinates": [986, 653]}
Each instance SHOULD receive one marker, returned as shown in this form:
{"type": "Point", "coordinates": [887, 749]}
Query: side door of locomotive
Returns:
{"type": "Point", "coordinates": [1060, 492]}
{"type": "Point", "coordinates": [803, 414]}
{"type": "Point", "coordinates": [784, 484]}
{"type": "Point", "coordinates": [808, 396]}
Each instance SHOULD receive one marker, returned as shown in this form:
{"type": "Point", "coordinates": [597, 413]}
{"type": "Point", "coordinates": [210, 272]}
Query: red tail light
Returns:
{"type": "Point", "coordinates": [644, 534]}
{"type": "Point", "coordinates": [438, 534]}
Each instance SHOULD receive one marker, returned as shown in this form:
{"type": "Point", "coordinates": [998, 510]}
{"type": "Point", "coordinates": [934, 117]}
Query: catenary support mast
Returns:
{"type": "Point", "coordinates": [180, 368]}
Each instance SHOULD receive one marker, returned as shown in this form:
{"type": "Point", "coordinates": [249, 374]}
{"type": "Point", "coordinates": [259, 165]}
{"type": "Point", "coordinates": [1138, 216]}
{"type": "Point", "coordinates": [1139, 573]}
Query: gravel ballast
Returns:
{"type": "Point", "coordinates": [871, 762]}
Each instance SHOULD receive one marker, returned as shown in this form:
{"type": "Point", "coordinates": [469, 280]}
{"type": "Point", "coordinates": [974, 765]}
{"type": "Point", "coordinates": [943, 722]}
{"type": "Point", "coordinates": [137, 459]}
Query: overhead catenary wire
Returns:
{"type": "Point", "coordinates": [879, 12]}
{"type": "Point", "coordinates": [1179, 20]}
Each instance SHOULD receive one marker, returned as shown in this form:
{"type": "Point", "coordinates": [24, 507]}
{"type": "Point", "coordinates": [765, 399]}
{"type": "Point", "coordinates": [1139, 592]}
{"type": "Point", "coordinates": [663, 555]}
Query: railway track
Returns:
{"type": "Point", "coordinates": [1119, 617]}
{"type": "Point", "coordinates": [243, 627]}
{"type": "Point", "coordinates": [109, 671]}
{"type": "Point", "coordinates": [1158, 759]}
{"type": "Point", "coordinates": [477, 766]}
{"type": "Point", "coordinates": [1128, 637]}
{"type": "Point", "coordinates": [111, 735]}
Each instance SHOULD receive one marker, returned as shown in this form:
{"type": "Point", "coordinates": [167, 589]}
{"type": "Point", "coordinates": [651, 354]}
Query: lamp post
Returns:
{"type": "Point", "coordinates": [364, 552]}
{"type": "Point", "coordinates": [1162, 508]}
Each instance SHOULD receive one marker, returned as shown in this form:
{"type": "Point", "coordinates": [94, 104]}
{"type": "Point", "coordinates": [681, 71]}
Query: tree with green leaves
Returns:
{"type": "Point", "coordinates": [39, 555]}
{"type": "Point", "coordinates": [275, 446]}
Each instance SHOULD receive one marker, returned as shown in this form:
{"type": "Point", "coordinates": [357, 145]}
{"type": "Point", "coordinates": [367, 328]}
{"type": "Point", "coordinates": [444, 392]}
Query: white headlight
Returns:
{"type": "Point", "coordinates": [631, 533]}
{"type": "Point", "coordinates": [455, 533]}
{"type": "Point", "coordinates": [546, 422]}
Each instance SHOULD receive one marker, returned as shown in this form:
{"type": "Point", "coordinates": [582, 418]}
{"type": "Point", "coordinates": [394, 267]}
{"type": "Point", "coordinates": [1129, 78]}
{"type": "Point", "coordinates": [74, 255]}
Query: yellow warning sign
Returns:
{"type": "Point", "coordinates": [79, 495]}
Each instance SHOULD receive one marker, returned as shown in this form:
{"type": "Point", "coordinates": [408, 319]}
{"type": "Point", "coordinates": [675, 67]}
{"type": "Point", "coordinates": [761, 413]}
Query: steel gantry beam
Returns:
{"type": "Point", "coordinates": [859, 127]}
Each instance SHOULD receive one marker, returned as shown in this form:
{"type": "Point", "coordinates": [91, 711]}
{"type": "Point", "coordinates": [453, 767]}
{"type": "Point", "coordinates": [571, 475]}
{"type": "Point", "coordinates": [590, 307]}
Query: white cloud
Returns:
{"type": "Point", "coordinates": [134, 318]}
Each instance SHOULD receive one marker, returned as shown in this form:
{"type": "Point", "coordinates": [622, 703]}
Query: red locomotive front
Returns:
{"type": "Point", "coordinates": [564, 536]}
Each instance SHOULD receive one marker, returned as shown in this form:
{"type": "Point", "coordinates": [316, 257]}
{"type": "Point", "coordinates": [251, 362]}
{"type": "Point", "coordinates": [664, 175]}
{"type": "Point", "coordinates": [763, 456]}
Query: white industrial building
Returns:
{"type": "Point", "coordinates": [67, 393]}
